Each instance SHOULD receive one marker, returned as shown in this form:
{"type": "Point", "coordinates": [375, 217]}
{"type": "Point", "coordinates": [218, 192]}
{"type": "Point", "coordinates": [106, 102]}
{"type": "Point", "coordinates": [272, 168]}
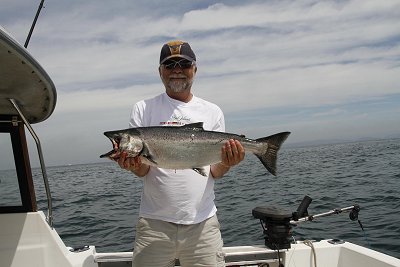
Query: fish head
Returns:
{"type": "Point", "coordinates": [123, 142]}
{"type": "Point", "coordinates": [132, 145]}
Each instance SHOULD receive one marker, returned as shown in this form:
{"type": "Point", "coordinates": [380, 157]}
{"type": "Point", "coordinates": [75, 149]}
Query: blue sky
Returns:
{"type": "Point", "coordinates": [324, 70]}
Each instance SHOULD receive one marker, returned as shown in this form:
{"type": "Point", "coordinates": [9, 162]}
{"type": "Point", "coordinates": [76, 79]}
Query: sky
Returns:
{"type": "Point", "coordinates": [323, 70]}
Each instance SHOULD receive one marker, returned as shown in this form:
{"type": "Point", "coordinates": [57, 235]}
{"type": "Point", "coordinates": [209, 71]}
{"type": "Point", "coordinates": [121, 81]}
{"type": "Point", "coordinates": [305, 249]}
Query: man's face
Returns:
{"type": "Point", "coordinates": [177, 74]}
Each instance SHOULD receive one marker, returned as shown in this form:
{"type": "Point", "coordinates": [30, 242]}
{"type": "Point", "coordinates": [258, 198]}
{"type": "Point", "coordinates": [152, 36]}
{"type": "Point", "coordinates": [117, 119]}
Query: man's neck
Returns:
{"type": "Point", "coordinates": [182, 96]}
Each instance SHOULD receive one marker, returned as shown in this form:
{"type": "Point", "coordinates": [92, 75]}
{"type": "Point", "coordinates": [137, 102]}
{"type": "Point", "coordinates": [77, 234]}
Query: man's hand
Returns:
{"type": "Point", "coordinates": [232, 153]}
{"type": "Point", "coordinates": [134, 165]}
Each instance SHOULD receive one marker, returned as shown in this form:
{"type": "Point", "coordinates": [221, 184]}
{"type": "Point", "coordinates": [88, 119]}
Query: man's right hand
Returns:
{"type": "Point", "coordinates": [134, 165]}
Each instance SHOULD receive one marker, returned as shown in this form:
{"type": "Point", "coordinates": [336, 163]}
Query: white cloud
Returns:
{"type": "Point", "coordinates": [253, 55]}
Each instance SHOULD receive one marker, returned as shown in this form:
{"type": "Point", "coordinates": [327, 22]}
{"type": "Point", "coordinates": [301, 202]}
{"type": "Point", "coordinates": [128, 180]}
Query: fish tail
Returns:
{"type": "Point", "coordinates": [271, 145]}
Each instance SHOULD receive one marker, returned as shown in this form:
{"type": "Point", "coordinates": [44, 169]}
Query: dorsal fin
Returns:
{"type": "Point", "coordinates": [198, 125]}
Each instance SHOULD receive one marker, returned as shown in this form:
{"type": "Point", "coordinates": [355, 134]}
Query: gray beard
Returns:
{"type": "Point", "coordinates": [179, 86]}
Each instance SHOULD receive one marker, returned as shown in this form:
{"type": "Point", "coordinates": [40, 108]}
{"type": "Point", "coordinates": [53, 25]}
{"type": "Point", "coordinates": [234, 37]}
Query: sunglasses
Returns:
{"type": "Point", "coordinates": [182, 63]}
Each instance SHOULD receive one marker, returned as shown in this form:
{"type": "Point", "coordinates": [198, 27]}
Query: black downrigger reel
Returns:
{"type": "Point", "coordinates": [277, 222]}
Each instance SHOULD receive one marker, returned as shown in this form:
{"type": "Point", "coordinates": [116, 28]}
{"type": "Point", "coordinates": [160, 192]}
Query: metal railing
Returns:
{"type": "Point", "coordinates": [42, 166]}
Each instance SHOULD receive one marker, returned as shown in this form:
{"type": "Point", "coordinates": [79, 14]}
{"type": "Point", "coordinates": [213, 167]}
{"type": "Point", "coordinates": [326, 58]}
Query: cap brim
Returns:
{"type": "Point", "coordinates": [177, 56]}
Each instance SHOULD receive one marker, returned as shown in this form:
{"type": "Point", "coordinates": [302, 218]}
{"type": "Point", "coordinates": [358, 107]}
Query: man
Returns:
{"type": "Point", "coordinates": [177, 217]}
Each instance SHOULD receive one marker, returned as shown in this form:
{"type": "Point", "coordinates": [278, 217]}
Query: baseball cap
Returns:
{"type": "Point", "coordinates": [176, 48]}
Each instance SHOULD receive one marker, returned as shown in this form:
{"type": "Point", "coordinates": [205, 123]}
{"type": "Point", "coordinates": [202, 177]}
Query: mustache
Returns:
{"type": "Point", "coordinates": [177, 76]}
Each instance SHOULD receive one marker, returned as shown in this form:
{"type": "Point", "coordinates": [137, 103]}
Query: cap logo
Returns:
{"type": "Point", "coordinates": [175, 47]}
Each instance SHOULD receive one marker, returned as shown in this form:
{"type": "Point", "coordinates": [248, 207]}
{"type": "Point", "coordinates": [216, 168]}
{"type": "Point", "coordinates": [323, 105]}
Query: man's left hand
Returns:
{"type": "Point", "coordinates": [232, 153]}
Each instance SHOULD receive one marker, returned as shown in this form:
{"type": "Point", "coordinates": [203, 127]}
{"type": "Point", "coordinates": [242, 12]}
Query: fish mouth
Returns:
{"type": "Point", "coordinates": [109, 154]}
{"type": "Point", "coordinates": [113, 154]}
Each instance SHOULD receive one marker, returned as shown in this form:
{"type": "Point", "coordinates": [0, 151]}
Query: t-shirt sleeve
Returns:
{"type": "Point", "coordinates": [136, 119]}
{"type": "Point", "coordinates": [220, 122]}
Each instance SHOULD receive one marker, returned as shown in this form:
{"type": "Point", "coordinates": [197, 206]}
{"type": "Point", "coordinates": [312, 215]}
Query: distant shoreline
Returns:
{"type": "Point", "coordinates": [336, 142]}
{"type": "Point", "coordinates": [285, 146]}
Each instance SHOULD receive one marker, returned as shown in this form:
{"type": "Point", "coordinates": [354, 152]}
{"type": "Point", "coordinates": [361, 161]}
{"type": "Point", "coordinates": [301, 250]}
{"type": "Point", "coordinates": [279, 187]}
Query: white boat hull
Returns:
{"type": "Point", "coordinates": [32, 242]}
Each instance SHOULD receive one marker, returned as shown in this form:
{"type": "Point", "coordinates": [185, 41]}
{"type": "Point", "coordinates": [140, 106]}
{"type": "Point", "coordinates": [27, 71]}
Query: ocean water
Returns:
{"type": "Point", "coordinates": [97, 204]}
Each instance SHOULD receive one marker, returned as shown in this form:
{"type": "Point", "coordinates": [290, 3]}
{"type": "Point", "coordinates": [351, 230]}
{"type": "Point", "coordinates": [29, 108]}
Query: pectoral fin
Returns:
{"type": "Point", "coordinates": [147, 154]}
{"type": "Point", "coordinates": [201, 171]}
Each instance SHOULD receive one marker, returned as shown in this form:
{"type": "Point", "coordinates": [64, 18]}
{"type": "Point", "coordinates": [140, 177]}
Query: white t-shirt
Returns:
{"type": "Point", "coordinates": [178, 196]}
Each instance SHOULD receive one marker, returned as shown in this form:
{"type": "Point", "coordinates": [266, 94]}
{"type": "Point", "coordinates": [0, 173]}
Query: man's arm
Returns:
{"type": "Point", "coordinates": [231, 154]}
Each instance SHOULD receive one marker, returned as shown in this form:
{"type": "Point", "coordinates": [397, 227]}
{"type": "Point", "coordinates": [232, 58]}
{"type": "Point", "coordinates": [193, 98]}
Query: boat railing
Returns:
{"type": "Point", "coordinates": [41, 160]}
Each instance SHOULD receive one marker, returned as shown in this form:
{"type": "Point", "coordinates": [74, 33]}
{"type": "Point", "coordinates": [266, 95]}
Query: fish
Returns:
{"type": "Point", "coordinates": [188, 146]}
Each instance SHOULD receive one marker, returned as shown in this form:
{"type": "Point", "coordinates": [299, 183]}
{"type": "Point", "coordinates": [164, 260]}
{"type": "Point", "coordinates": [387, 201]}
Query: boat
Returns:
{"type": "Point", "coordinates": [28, 237]}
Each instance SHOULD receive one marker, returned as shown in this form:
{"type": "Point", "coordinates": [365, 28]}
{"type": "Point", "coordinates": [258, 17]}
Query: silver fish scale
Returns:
{"type": "Point", "coordinates": [187, 147]}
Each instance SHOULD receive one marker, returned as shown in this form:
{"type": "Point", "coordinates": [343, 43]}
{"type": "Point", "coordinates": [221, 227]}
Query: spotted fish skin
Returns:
{"type": "Point", "coordinates": [188, 146]}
